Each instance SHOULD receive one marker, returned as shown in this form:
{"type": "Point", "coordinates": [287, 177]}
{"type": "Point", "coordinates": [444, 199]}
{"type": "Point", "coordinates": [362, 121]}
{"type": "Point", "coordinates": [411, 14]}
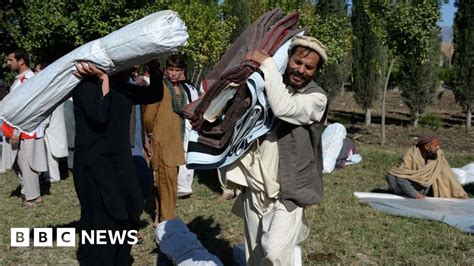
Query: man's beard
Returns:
{"type": "Point", "coordinates": [431, 155]}
{"type": "Point", "coordinates": [305, 79]}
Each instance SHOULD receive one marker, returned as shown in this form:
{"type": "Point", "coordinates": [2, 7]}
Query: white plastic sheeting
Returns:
{"type": "Point", "coordinates": [455, 212]}
{"type": "Point", "coordinates": [182, 246]}
{"type": "Point", "coordinates": [465, 174]}
{"type": "Point", "coordinates": [332, 141]}
{"type": "Point", "coordinates": [155, 35]}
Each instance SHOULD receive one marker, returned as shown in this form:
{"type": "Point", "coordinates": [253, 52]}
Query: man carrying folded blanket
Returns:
{"type": "Point", "coordinates": [281, 174]}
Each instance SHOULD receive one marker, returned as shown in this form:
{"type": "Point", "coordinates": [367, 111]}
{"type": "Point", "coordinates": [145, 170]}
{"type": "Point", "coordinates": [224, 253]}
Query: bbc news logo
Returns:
{"type": "Point", "coordinates": [66, 237]}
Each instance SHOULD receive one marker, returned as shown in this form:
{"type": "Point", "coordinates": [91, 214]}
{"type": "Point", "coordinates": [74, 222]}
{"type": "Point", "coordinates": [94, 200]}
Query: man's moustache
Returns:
{"type": "Point", "coordinates": [301, 76]}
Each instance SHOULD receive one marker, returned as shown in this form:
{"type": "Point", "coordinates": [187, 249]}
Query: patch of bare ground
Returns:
{"type": "Point", "coordinates": [399, 126]}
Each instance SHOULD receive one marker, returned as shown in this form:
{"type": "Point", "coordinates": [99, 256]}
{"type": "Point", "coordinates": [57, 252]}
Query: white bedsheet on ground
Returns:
{"type": "Point", "coordinates": [455, 212]}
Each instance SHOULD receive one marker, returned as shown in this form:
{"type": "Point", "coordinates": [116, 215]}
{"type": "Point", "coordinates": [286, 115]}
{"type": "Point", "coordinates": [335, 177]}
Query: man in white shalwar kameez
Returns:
{"type": "Point", "coordinates": [275, 223]}
{"type": "Point", "coordinates": [28, 149]}
{"type": "Point", "coordinates": [55, 138]}
{"type": "Point", "coordinates": [56, 142]}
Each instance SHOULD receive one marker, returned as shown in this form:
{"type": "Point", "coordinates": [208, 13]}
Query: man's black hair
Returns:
{"type": "Point", "coordinates": [21, 53]}
{"type": "Point", "coordinates": [176, 61]}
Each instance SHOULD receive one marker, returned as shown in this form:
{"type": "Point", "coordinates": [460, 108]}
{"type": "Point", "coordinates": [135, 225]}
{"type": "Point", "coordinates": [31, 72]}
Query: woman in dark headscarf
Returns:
{"type": "Point", "coordinates": [104, 176]}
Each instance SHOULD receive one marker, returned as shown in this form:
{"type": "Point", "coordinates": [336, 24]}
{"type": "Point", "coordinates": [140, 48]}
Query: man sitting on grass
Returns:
{"type": "Point", "coordinates": [423, 168]}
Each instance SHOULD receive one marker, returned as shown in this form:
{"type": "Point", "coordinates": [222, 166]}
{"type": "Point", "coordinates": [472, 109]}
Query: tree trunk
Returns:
{"type": "Point", "coordinates": [194, 74]}
{"type": "Point", "coordinates": [415, 122]}
{"type": "Point", "coordinates": [368, 117]}
{"type": "Point", "coordinates": [197, 78]}
{"type": "Point", "coordinates": [384, 97]}
{"type": "Point", "coordinates": [469, 118]}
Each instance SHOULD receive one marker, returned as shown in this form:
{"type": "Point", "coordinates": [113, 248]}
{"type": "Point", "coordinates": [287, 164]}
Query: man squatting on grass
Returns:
{"type": "Point", "coordinates": [423, 170]}
{"type": "Point", "coordinates": [282, 172]}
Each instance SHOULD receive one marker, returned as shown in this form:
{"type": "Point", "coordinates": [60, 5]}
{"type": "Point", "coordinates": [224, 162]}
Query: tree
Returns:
{"type": "Point", "coordinates": [332, 27]}
{"type": "Point", "coordinates": [412, 30]}
{"type": "Point", "coordinates": [332, 7]}
{"type": "Point", "coordinates": [463, 60]}
{"type": "Point", "coordinates": [369, 59]}
{"type": "Point", "coordinates": [327, 20]}
{"type": "Point", "coordinates": [420, 80]}
{"type": "Point", "coordinates": [50, 29]}
{"type": "Point", "coordinates": [242, 10]}
{"type": "Point", "coordinates": [209, 34]}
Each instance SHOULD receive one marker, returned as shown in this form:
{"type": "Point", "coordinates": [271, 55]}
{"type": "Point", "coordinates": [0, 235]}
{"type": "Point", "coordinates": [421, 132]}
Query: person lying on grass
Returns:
{"type": "Point", "coordinates": [424, 169]}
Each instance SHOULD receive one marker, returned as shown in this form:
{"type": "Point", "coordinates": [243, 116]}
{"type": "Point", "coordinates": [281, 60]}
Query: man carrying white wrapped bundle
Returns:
{"type": "Point", "coordinates": [104, 176]}
{"type": "Point", "coordinates": [155, 35]}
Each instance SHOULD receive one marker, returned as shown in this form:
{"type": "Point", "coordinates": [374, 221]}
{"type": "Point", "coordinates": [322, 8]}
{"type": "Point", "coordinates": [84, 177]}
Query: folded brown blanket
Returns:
{"type": "Point", "coordinates": [269, 32]}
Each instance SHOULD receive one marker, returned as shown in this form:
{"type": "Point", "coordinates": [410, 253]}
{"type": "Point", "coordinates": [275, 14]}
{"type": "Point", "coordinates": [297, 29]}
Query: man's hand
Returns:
{"type": "Point", "coordinates": [84, 69]}
{"type": "Point", "coordinates": [420, 196]}
{"type": "Point", "coordinates": [258, 56]}
{"type": "Point", "coordinates": [15, 142]}
{"type": "Point", "coordinates": [148, 150]}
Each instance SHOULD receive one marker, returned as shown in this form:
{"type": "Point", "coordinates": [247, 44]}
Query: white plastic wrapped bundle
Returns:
{"type": "Point", "coordinates": [155, 35]}
{"type": "Point", "coordinates": [465, 174]}
{"type": "Point", "coordinates": [332, 141]}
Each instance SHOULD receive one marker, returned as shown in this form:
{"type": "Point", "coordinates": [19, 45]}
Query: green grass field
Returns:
{"type": "Point", "coordinates": [342, 230]}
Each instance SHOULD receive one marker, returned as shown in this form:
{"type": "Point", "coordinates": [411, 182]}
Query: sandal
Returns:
{"type": "Point", "coordinates": [33, 203]}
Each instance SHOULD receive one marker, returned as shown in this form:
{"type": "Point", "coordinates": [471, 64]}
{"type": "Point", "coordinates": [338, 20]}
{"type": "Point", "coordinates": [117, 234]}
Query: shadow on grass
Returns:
{"type": "Point", "coordinates": [16, 192]}
{"type": "Point", "coordinates": [400, 119]}
{"type": "Point", "coordinates": [207, 234]}
{"type": "Point", "coordinates": [210, 179]}
{"type": "Point", "coordinates": [382, 190]}
{"type": "Point", "coordinates": [150, 205]}
{"type": "Point", "coordinates": [359, 118]}
{"type": "Point", "coordinates": [318, 257]}
{"type": "Point", "coordinates": [44, 190]}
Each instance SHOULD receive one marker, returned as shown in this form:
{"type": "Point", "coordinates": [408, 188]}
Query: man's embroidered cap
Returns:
{"type": "Point", "coordinates": [311, 43]}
